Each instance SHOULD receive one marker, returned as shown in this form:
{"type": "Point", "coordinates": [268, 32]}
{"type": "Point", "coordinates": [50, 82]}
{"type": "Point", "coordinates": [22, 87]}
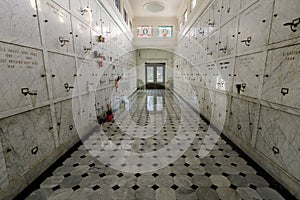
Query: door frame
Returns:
{"type": "Point", "coordinates": [155, 84]}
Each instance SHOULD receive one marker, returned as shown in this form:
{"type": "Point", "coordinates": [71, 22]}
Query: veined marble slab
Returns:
{"type": "Point", "coordinates": [204, 50]}
{"type": "Point", "coordinates": [82, 39]}
{"type": "Point", "coordinates": [225, 75]}
{"type": "Point", "coordinates": [64, 3]}
{"type": "Point", "coordinates": [19, 22]}
{"type": "Point", "coordinates": [212, 75]}
{"type": "Point", "coordinates": [203, 29]}
{"type": "Point", "coordinates": [213, 46]}
{"type": "Point", "coordinates": [87, 75]}
{"type": "Point", "coordinates": [26, 138]}
{"type": "Point", "coordinates": [202, 71]}
{"type": "Point", "coordinates": [207, 104]}
{"type": "Point", "coordinates": [114, 31]}
{"type": "Point", "coordinates": [214, 14]}
{"type": "Point", "coordinates": [230, 8]}
{"type": "Point", "coordinates": [100, 100]}
{"type": "Point", "coordinates": [3, 170]}
{"type": "Point", "coordinates": [106, 21]}
{"type": "Point", "coordinates": [65, 124]}
{"type": "Point", "coordinates": [283, 76]}
{"type": "Point", "coordinates": [95, 15]}
{"type": "Point", "coordinates": [246, 3]}
{"type": "Point", "coordinates": [21, 67]}
{"type": "Point", "coordinates": [81, 8]}
{"type": "Point", "coordinates": [88, 110]}
{"type": "Point", "coordinates": [219, 114]}
{"type": "Point", "coordinates": [249, 70]}
{"type": "Point", "coordinates": [285, 13]}
{"type": "Point", "coordinates": [243, 118]}
{"type": "Point", "coordinates": [200, 97]}
{"type": "Point", "coordinates": [76, 112]}
{"type": "Point", "coordinates": [278, 138]}
{"type": "Point", "coordinates": [55, 25]}
{"type": "Point", "coordinates": [63, 67]}
{"type": "Point", "coordinates": [254, 26]}
{"type": "Point", "coordinates": [228, 37]}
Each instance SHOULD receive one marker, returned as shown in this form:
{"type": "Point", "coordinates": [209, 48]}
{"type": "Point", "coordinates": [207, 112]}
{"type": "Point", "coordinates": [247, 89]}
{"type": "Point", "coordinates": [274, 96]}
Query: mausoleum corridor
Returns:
{"type": "Point", "coordinates": [156, 120]}
{"type": "Point", "coordinates": [150, 99]}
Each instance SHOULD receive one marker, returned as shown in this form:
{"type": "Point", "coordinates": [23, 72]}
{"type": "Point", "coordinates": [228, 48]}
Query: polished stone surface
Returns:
{"type": "Point", "coordinates": [222, 174]}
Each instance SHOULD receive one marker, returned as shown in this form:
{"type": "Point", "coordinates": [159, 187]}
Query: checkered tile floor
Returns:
{"type": "Point", "coordinates": [155, 120]}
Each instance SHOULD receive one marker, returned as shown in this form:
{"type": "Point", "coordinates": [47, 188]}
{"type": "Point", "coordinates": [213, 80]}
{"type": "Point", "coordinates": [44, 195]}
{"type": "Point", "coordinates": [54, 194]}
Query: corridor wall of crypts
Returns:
{"type": "Point", "coordinates": [242, 59]}
{"type": "Point", "coordinates": [59, 61]}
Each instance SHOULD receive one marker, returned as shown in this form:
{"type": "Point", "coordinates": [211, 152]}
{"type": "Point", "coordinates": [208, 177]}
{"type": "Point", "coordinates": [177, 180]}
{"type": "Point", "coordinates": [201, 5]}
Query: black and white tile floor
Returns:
{"type": "Point", "coordinates": [92, 171]}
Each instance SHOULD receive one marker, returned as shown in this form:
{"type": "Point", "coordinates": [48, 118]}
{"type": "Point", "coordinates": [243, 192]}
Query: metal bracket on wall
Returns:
{"type": "Point", "coordinates": [224, 49]}
{"type": "Point", "coordinates": [63, 41]}
{"type": "Point", "coordinates": [247, 41]}
{"type": "Point", "coordinates": [284, 91]}
{"type": "Point", "coordinates": [86, 49]}
{"type": "Point", "coordinates": [275, 150]}
{"type": "Point", "coordinates": [293, 24]}
{"type": "Point", "coordinates": [84, 10]}
{"type": "Point", "coordinates": [34, 150]}
{"type": "Point", "coordinates": [68, 87]}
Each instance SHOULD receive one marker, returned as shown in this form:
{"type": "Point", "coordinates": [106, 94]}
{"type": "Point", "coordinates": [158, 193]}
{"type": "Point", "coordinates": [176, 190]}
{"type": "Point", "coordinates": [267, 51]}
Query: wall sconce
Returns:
{"type": "Point", "coordinates": [32, 94]}
{"type": "Point", "coordinates": [247, 41]}
{"type": "Point", "coordinates": [86, 49]}
{"type": "Point", "coordinates": [68, 87]}
{"type": "Point", "coordinates": [63, 41]}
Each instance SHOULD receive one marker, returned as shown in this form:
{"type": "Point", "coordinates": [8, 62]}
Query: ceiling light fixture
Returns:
{"type": "Point", "coordinates": [155, 7]}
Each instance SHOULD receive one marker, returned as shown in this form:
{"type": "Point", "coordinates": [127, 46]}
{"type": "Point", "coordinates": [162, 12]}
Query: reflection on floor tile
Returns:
{"type": "Point", "coordinates": [149, 126]}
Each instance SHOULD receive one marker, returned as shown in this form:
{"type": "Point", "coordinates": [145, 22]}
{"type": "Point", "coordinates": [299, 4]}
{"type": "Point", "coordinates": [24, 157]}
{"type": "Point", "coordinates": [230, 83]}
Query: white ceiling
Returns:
{"type": "Point", "coordinates": [172, 7]}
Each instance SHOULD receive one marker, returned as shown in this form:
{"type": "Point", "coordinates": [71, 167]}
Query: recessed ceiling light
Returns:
{"type": "Point", "coordinates": [155, 6]}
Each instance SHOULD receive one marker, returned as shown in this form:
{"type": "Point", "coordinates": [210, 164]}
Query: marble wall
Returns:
{"type": "Point", "coordinates": [247, 62]}
{"type": "Point", "coordinates": [54, 74]}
